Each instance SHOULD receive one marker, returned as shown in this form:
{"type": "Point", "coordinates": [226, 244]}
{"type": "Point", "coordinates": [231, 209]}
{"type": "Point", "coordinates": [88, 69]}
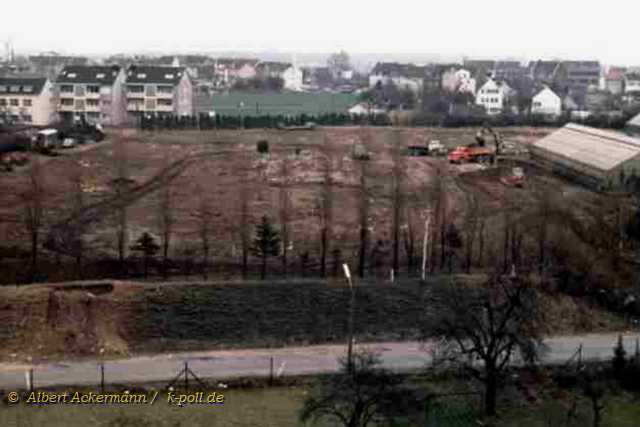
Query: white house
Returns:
{"type": "Point", "coordinates": [293, 77]}
{"type": "Point", "coordinates": [632, 83]}
{"type": "Point", "coordinates": [27, 100]}
{"type": "Point", "coordinates": [547, 103]}
{"type": "Point", "coordinates": [493, 96]}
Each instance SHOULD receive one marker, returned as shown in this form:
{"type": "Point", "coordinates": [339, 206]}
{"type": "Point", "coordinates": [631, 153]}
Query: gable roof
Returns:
{"type": "Point", "coordinates": [154, 74]}
{"type": "Point", "coordinates": [598, 149]}
{"type": "Point", "coordinates": [22, 85]}
{"type": "Point", "coordinates": [102, 75]}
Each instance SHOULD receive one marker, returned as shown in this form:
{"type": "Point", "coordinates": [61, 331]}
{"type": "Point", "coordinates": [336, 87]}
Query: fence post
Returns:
{"type": "Point", "coordinates": [102, 377]}
{"type": "Point", "coordinates": [186, 376]}
{"type": "Point", "coordinates": [271, 371]}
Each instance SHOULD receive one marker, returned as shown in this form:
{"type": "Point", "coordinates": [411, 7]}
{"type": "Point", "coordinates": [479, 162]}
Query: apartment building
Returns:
{"type": "Point", "coordinates": [27, 101]}
{"type": "Point", "coordinates": [153, 90]}
{"type": "Point", "coordinates": [92, 93]}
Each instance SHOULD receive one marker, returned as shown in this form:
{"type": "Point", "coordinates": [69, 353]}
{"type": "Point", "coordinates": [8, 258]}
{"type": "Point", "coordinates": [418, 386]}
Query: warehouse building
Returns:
{"type": "Point", "coordinates": [603, 160]}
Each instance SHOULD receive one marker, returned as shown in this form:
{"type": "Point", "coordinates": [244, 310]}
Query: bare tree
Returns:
{"type": "Point", "coordinates": [244, 217]}
{"type": "Point", "coordinates": [470, 229]}
{"type": "Point", "coordinates": [326, 206]}
{"type": "Point", "coordinates": [121, 158]}
{"type": "Point", "coordinates": [398, 197]}
{"type": "Point", "coordinates": [490, 324]}
{"type": "Point", "coordinates": [204, 215]}
{"type": "Point", "coordinates": [363, 207]}
{"type": "Point", "coordinates": [33, 199]}
{"type": "Point", "coordinates": [78, 227]}
{"type": "Point", "coordinates": [285, 211]}
{"type": "Point", "coordinates": [165, 218]}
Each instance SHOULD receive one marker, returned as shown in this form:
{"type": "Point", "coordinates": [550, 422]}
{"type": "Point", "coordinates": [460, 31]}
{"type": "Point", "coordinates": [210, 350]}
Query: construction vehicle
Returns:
{"type": "Point", "coordinates": [478, 152]}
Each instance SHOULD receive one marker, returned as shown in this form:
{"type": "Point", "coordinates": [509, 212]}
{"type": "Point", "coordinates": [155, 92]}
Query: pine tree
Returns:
{"type": "Point", "coordinates": [266, 243]}
{"type": "Point", "coordinates": [148, 246]}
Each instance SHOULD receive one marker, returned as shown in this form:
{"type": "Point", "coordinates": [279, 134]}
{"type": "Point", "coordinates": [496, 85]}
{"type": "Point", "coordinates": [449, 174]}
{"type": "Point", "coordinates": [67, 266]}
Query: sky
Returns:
{"type": "Point", "coordinates": [572, 29]}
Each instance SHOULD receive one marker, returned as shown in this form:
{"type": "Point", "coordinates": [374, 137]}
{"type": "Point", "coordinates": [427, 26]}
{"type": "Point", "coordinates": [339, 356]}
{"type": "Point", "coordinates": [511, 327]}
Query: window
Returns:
{"type": "Point", "coordinates": [14, 102]}
{"type": "Point", "coordinates": [93, 102]}
{"type": "Point", "coordinates": [14, 89]}
{"type": "Point", "coordinates": [66, 89]}
{"type": "Point", "coordinates": [165, 102]}
{"type": "Point", "coordinates": [27, 118]}
{"type": "Point", "coordinates": [3, 102]}
{"type": "Point", "coordinates": [26, 103]}
{"type": "Point", "coordinates": [27, 89]}
{"type": "Point", "coordinates": [142, 76]}
{"type": "Point", "coordinates": [135, 89]}
{"type": "Point", "coordinates": [168, 76]}
{"type": "Point", "coordinates": [79, 90]}
{"type": "Point", "coordinates": [100, 76]}
{"type": "Point", "coordinates": [151, 90]}
{"type": "Point", "coordinates": [165, 89]}
{"type": "Point", "coordinates": [93, 89]}
{"type": "Point", "coordinates": [66, 102]}
{"type": "Point", "coordinates": [71, 75]}
{"type": "Point", "coordinates": [79, 104]}
{"type": "Point", "coordinates": [3, 88]}
{"type": "Point", "coordinates": [150, 104]}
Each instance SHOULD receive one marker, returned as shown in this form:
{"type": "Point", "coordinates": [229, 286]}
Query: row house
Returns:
{"type": "Point", "coordinates": [614, 80]}
{"type": "Point", "coordinates": [228, 70]}
{"type": "Point", "coordinates": [92, 93]}
{"type": "Point", "coordinates": [27, 101]}
{"type": "Point", "coordinates": [152, 90]}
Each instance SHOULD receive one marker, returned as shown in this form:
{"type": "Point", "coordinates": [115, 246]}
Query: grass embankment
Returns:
{"type": "Point", "coordinates": [62, 322]}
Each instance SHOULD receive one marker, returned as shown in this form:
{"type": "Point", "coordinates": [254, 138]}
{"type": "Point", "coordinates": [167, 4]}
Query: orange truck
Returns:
{"type": "Point", "coordinates": [464, 154]}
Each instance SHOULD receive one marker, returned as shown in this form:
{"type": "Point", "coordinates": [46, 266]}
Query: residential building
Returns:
{"type": "Point", "coordinates": [632, 82]}
{"type": "Point", "coordinates": [546, 103]}
{"type": "Point", "coordinates": [614, 80]}
{"type": "Point", "coordinates": [92, 93]}
{"type": "Point", "coordinates": [508, 70]}
{"type": "Point", "coordinates": [577, 75]}
{"type": "Point", "coordinates": [494, 96]}
{"type": "Point", "coordinates": [160, 91]}
{"type": "Point", "coordinates": [228, 70]}
{"type": "Point", "coordinates": [404, 76]}
{"type": "Point", "coordinates": [458, 81]}
{"type": "Point", "coordinates": [27, 100]}
{"type": "Point", "coordinates": [291, 75]}
{"type": "Point", "coordinates": [543, 71]}
{"type": "Point", "coordinates": [597, 158]}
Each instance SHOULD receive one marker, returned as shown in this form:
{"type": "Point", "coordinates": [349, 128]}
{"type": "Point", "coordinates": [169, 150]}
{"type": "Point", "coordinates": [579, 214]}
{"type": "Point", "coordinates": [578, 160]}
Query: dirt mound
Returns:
{"type": "Point", "coordinates": [50, 321]}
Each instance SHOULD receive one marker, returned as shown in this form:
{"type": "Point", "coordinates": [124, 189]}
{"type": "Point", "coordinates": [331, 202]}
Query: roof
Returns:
{"type": "Point", "coordinates": [22, 85]}
{"type": "Point", "coordinates": [634, 122]}
{"type": "Point", "coordinates": [394, 69]}
{"type": "Point", "coordinates": [271, 66]}
{"type": "Point", "coordinates": [595, 148]}
{"type": "Point", "coordinates": [154, 74]}
{"type": "Point", "coordinates": [102, 75]}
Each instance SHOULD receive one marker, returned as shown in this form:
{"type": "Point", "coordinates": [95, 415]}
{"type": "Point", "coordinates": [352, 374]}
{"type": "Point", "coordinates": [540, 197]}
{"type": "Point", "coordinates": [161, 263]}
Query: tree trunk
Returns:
{"type": "Point", "coordinates": [263, 272]}
{"type": "Point", "coordinates": [165, 259]}
{"type": "Point", "coordinates": [490, 392]}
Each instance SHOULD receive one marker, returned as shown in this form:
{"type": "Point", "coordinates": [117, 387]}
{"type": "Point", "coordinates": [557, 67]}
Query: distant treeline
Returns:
{"type": "Point", "coordinates": [206, 122]}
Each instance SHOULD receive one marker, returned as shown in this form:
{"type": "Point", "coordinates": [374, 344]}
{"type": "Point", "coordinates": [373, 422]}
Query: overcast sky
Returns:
{"type": "Point", "coordinates": [604, 30]}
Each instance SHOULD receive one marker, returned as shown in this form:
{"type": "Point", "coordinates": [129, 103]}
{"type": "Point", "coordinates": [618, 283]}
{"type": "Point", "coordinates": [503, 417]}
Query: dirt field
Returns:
{"type": "Point", "coordinates": [208, 165]}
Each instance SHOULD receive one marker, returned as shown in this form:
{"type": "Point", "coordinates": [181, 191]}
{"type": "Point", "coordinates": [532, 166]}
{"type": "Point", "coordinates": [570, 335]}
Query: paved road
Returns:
{"type": "Point", "coordinates": [255, 362]}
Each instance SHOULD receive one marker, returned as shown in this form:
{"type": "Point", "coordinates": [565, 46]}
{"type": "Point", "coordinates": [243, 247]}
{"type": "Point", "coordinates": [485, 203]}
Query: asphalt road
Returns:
{"type": "Point", "coordinates": [227, 364]}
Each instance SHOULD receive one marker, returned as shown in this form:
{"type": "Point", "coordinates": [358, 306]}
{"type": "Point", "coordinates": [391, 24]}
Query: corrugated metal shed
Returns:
{"type": "Point", "coordinates": [596, 150]}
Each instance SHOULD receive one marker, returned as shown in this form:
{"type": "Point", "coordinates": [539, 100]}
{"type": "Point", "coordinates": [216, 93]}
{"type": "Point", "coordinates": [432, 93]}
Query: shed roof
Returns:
{"type": "Point", "coordinates": [599, 149]}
